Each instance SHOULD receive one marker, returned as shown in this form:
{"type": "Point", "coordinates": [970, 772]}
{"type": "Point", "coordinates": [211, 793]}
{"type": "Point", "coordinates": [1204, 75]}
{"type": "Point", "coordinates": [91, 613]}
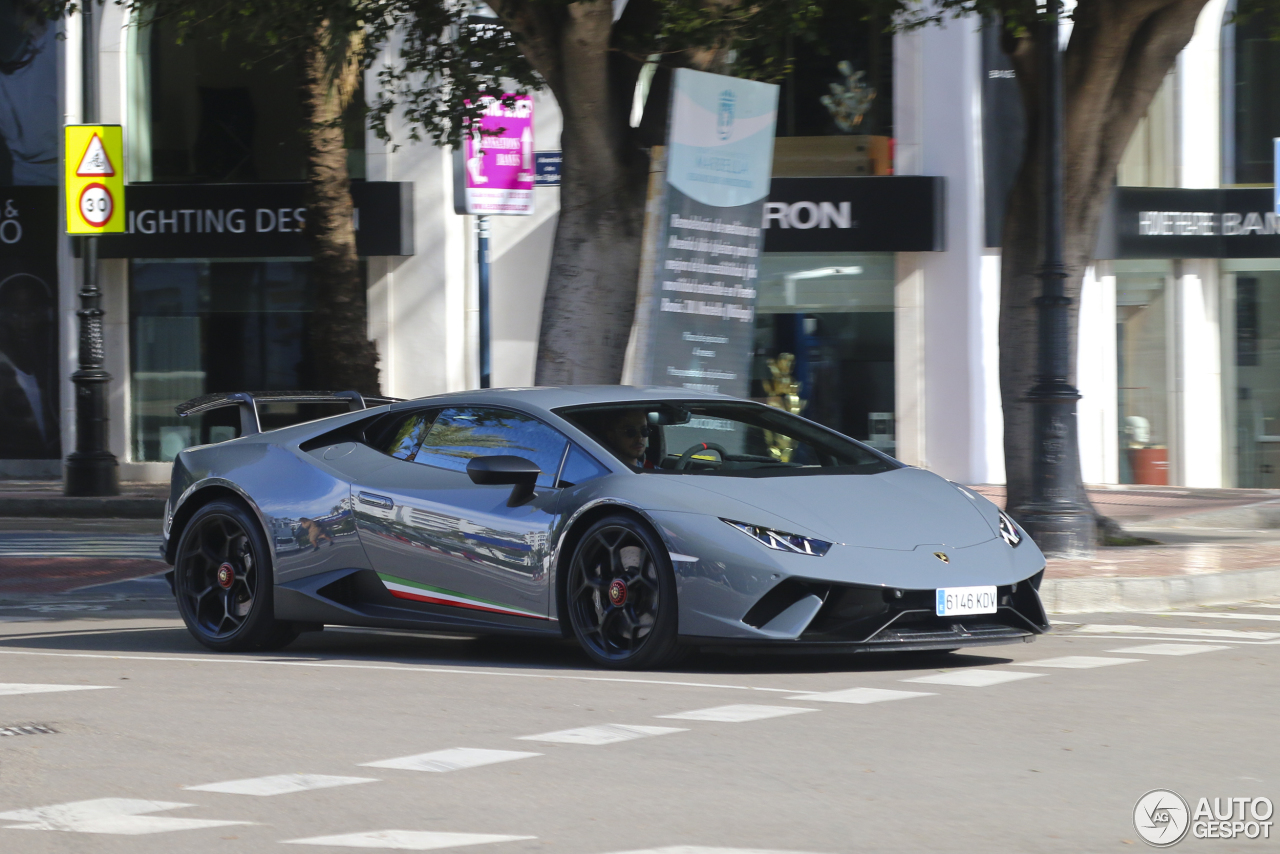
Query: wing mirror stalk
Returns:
{"type": "Point", "coordinates": [520, 473]}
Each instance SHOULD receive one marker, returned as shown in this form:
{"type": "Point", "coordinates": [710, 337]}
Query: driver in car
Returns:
{"type": "Point", "coordinates": [627, 435]}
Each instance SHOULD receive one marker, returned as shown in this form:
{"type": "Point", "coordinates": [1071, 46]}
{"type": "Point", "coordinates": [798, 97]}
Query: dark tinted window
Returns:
{"type": "Point", "coordinates": [463, 433]}
{"type": "Point", "coordinates": [205, 326]}
{"type": "Point", "coordinates": [401, 437]}
{"type": "Point", "coordinates": [727, 439]}
{"type": "Point", "coordinates": [1257, 100]}
{"type": "Point", "coordinates": [580, 467]}
{"type": "Point", "coordinates": [213, 109]}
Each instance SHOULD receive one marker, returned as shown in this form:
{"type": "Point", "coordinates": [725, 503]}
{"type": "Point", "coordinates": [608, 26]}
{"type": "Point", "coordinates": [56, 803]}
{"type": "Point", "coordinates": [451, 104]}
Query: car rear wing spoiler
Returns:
{"type": "Point", "coordinates": [251, 424]}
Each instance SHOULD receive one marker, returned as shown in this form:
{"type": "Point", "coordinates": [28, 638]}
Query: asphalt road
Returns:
{"type": "Point", "coordinates": [125, 736]}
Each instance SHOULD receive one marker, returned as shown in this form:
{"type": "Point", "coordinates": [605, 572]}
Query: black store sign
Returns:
{"type": "Point", "coordinates": [251, 220]}
{"type": "Point", "coordinates": [1151, 222]}
{"type": "Point", "coordinates": [29, 222]}
{"type": "Point", "coordinates": [901, 213]}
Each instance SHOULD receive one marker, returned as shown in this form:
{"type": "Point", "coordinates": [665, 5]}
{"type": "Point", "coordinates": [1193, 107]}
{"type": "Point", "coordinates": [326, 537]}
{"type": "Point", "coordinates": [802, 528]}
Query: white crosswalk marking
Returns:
{"type": "Point", "coordinates": [406, 840]}
{"type": "Point", "coordinates": [280, 784]}
{"type": "Point", "coordinates": [122, 816]}
{"type": "Point", "coordinates": [738, 714]}
{"type": "Point", "coordinates": [974, 678]}
{"type": "Point", "coordinates": [602, 734]}
{"type": "Point", "coordinates": [1077, 662]}
{"type": "Point", "coordinates": [9, 688]}
{"type": "Point", "coordinates": [861, 696]}
{"type": "Point", "coordinates": [1169, 649]}
{"type": "Point", "coordinates": [453, 759]}
{"type": "Point", "coordinates": [22, 544]}
{"type": "Point", "coordinates": [1103, 629]}
{"type": "Point", "coordinates": [1224, 615]}
{"type": "Point", "coordinates": [700, 849]}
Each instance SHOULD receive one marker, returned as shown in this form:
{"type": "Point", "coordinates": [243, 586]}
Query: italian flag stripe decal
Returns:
{"type": "Point", "coordinates": [403, 588]}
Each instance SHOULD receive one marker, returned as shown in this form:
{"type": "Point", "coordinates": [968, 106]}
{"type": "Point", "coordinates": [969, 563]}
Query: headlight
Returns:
{"type": "Point", "coordinates": [782, 541]}
{"type": "Point", "coordinates": [1009, 531]}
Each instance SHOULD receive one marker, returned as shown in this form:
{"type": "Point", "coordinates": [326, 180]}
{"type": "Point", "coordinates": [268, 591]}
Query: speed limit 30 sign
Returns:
{"type": "Point", "coordinates": [94, 176]}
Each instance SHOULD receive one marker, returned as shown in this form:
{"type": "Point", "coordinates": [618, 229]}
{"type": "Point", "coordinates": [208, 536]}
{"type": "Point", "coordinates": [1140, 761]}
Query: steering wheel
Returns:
{"type": "Point", "coordinates": [687, 456]}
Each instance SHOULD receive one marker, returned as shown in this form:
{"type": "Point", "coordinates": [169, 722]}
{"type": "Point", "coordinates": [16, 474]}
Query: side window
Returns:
{"type": "Point", "coordinates": [463, 433]}
{"type": "Point", "coordinates": [580, 467]}
{"type": "Point", "coordinates": [400, 437]}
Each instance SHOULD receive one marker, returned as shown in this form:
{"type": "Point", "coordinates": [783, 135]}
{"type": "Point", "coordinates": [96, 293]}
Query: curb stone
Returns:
{"type": "Point", "coordinates": [114, 507]}
{"type": "Point", "coordinates": [1089, 595]}
{"type": "Point", "coordinates": [1264, 515]}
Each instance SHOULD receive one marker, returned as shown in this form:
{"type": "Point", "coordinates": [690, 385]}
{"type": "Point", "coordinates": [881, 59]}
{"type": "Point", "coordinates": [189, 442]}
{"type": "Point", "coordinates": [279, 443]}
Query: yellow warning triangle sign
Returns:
{"type": "Point", "coordinates": [95, 163]}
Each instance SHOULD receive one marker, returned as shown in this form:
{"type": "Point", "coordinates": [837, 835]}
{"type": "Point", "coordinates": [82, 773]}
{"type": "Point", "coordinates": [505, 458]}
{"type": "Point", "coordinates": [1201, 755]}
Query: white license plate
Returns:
{"type": "Point", "coordinates": [966, 600]}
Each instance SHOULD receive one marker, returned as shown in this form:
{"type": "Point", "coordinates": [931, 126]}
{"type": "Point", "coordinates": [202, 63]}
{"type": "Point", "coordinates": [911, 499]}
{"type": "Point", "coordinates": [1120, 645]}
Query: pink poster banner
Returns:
{"type": "Point", "coordinates": [498, 162]}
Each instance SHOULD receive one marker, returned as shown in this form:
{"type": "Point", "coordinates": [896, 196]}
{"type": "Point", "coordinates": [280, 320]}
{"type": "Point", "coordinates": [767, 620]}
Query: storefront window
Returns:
{"type": "Point", "coordinates": [824, 341]}
{"type": "Point", "coordinates": [835, 108]}
{"type": "Point", "coordinates": [208, 112]}
{"type": "Point", "coordinates": [202, 326]}
{"type": "Point", "coordinates": [1255, 357]}
{"type": "Point", "coordinates": [1253, 109]}
{"type": "Point", "coordinates": [1142, 370]}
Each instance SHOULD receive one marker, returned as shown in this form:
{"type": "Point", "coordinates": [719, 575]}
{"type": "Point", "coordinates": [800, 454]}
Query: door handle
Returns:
{"type": "Point", "coordinates": [376, 500]}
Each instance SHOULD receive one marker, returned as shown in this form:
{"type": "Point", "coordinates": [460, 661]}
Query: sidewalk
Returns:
{"type": "Point", "coordinates": [51, 543]}
{"type": "Point", "coordinates": [1215, 546]}
{"type": "Point", "coordinates": [44, 499]}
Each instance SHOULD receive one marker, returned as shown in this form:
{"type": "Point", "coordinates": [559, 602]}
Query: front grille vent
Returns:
{"type": "Point", "coordinates": [785, 594]}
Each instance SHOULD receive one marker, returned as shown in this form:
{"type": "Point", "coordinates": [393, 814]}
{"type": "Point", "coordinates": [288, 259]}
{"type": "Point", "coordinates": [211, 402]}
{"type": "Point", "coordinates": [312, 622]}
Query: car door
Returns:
{"type": "Point", "coordinates": [436, 538]}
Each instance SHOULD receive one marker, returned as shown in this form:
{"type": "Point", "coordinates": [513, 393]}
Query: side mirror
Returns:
{"type": "Point", "coordinates": [521, 474]}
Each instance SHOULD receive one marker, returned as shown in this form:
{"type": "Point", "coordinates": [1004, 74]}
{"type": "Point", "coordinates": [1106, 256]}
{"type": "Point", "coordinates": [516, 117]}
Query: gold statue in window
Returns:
{"type": "Point", "coordinates": [783, 392]}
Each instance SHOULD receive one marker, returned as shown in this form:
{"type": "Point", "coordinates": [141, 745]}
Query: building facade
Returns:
{"type": "Point", "coordinates": [879, 286]}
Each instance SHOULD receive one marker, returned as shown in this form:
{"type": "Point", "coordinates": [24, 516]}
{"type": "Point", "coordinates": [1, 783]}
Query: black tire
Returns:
{"type": "Point", "coordinates": [223, 582]}
{"type": "Point", "coordinates": [620, 595]}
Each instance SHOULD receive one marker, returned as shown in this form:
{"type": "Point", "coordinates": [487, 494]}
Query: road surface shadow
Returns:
{"type": "Point", "coordinates": [106, 633]}
{"type": "Point", "coordinates": [139, 617]}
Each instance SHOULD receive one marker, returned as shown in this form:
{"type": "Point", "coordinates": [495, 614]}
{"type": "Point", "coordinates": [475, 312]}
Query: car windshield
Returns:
{"type": "Point", "coordinates": [726, 439]}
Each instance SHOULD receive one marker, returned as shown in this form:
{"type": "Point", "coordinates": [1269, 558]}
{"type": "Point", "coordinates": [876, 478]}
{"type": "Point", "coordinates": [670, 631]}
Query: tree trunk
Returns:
{"type": "Point", "coordinates": [342, 355]}
{"type": "Point", "coordinates": [595, 259]}
{"type": "Point", "coordinates": [1119, 54]}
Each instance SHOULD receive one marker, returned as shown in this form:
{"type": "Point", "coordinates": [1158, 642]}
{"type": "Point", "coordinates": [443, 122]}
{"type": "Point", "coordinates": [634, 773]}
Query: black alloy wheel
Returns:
{"type": "Point", "coordinates": [621, 596]}
{"type": "Point", "coordinates": [223, 581]}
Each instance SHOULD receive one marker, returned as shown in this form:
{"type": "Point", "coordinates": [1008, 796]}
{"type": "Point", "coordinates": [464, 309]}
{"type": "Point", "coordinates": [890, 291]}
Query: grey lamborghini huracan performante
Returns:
{"type": "Point", "coordinates": [641, 521]}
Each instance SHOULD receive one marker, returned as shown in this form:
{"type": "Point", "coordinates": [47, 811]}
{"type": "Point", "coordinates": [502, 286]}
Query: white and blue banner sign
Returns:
{"type": "Point", "coordinates": [719, 162]}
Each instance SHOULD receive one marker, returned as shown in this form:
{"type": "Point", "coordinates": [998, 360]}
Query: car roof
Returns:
{"type": "Point", "coordinates": [548, 398]}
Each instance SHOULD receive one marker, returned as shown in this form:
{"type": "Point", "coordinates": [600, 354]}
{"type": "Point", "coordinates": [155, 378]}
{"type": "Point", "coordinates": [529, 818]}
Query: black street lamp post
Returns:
{"type": "Point", "coordinates": [1054, 515]}
{"type": "Point", "coordinates": [91, 469]}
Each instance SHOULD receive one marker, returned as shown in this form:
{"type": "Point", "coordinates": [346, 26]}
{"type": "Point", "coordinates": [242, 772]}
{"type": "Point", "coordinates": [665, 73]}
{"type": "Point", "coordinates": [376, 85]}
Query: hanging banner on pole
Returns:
{"type": "Point", "coordinates": [494, 171]}
{"type": "Point", "coordinates": [697, 296]}
{"type": "Point", "coordinates": [94, 159]}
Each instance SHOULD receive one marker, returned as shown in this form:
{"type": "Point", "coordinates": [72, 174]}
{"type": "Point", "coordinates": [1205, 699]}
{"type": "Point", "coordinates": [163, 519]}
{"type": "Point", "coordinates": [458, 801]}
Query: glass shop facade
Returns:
{"type": "Point", "coordinates": [1189, 272]}
{"type": "Point", "coordinates": [879, 285]}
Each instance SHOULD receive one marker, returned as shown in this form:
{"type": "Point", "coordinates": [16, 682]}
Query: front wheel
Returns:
{"type": "Point", "coordinates": [621, 596]}
{"type": "Point", "coordinates": [223, 582]}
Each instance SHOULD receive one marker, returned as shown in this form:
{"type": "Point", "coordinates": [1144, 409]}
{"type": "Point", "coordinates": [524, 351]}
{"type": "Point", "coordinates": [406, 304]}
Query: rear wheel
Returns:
{"type": "Point", "coordinates": [621, 596]}
{"type": "Point", "coordinates": [223, 582]}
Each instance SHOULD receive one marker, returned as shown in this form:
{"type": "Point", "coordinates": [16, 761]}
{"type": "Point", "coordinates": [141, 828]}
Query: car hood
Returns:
{"type": "Point", "coordinates": [899, 509]}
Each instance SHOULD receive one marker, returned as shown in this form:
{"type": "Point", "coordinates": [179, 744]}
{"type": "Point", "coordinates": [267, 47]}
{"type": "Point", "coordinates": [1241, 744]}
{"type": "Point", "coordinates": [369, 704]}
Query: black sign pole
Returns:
{"type": "Point", "coordinates": [1054, 515]}
{"type": "Point", "coordinates": [482, 275]}
{"type": "Point", "coordinates": [90, 469]}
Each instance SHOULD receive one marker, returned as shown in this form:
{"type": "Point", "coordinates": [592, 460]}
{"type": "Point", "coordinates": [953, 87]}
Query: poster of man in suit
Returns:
{"type": "Point", "coordinates": [29, 165]}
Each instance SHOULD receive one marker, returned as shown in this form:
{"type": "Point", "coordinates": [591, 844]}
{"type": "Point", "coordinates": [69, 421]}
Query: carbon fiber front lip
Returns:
{"type": "Point", "coordinates": [793, 647]}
